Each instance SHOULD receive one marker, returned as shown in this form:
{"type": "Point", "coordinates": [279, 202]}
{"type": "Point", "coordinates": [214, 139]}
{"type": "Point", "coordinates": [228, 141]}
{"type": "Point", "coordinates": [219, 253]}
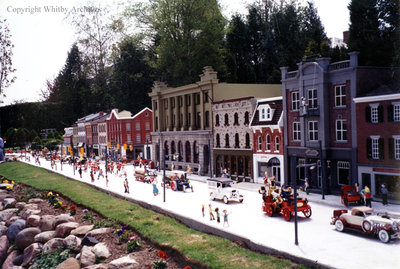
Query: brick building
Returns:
{"type": "Point", "coordinates": [267, 148]}
{"type": "Point", "coordinates": [378, 139]}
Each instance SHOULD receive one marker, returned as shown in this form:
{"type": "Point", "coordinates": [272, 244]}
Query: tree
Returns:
{"type": "Point", "coordinates": [6, 69]}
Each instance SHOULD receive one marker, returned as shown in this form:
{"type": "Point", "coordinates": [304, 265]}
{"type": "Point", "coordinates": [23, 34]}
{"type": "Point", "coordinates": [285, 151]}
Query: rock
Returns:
{"type": "Point", "coordinates": [64, 229]}
{"type": "Point", "coordinates": [53, 245]}
{"type": "Point", "coordinates": [26, 237]}
{"type": "Point", "coordinates": [20, 204]}
{"type": "Point", "coordinates": [26, 213]}
{"type": "Point", "coordinates": [3, 229]}
{"type": "Point", "coordinates": [36, 201]}
{"type": "Point", "coordinates": [46, 222]}
{"type": "Point", "coordinates": [99, 231]}
{"type": "Point", "coordinates": [7, 213]}
{"type": "Point", "coordinates": [19, 259]}
{"type": "Point", "coordinates": [89, 241]}
{"type": "Point", "coordinates": [43, 237]}
{"type": "Point", "coordinates": [33, 221]}
{"type": "Point", "coordinates": [31, 206]}
{"type": "Point", "coordinates": [87, 256]}
{"type": "Point", "coordinates": [63, 218]}
{"type": "Point", "coordinates": [9, 262]}
{"type": "Point", "coordinates": [31, 252]}
{"type": "Point", "coordinates": [73, 242]}
{"type": "Point", "coordinates": [8, 202]}
{"type": "Point", "coordinates": [14, 229]}
{"type": "Point", "coordinates": [82, 230]}
{"type": "Point", "coordinates": [12, 219]}
{"type": "Point", "coordinates": [70, 263]}
{"type": "Point", "coordinates": [123, 263]}
{"type": "Point", "coordinates": [101, 251]}
{"type": "Point", "coordinates": [97, 266]}
{"type": "Point", "coordinates": [3, 248]}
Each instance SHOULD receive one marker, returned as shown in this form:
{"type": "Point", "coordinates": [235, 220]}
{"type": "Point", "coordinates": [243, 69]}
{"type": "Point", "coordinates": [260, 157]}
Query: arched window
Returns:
{"type": "Point", "coordinates": [259, 144]}
{"type": "Point", "coordinates": [268, 113]}
{"type": "Point", "coordinates": [236, 119]}
{"type": "Point", "coordinates": [268, 143]}
{"type": "Point", "coordinates": [237, 145]}
{"type": "Point", "coordinates": [247, 140]}
{"type": "Point", "coordinates": [166, 150]}
{"type": "Point", "coordinates": [246, 118]}
{"type": "Point", "coordinates": [218, 142]}
{"type": "Point", "coordinates": [227, 141]}
{"type": "Point", "coordinates": [226, 119]}
{"type": "Point", "coordinates": [180, 151]}
{"type": "Point", "coordinates": [276, 143]}
{"type": "Point", "coordinates": [196, 152]}
{"type": "Point", "coordinates": [217, 120]}
{"type": "Point", "coordinates": [263, 114]}
{"type": "Point", "coordinates": [187, 148]}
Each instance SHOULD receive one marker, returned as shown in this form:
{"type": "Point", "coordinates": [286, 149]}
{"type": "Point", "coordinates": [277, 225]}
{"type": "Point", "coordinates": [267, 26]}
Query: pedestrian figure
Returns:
{"type": "Point", "coordinates": [198, 172]}
{"type": "Point", "coordinates": [367, 196]}
{"type": "Point", "coordinates": [202, 210]}
{"type": "Point", "coordinates": [226, 217]}
{"type": "Point", "coordinates": [106, 180]}
{"type": "Point", "coordinates": [100, 174]}
{"type": "Point", "coordinates": [385, 193]}
{"type": "Point", "coordinates": [126, 185]}
{"type": "Point", "coordinates": [92, 176]}
{"type": "Point", "coordinates": [306, 185]}
{"type": "Point", "coordinates": [211, 213]}
{"type": "Point", "coordinates": [80, 171]}
{"type": "Point", "coordinates": [155, 189]}
{"type": "Point", "coordinates": [218, 214]}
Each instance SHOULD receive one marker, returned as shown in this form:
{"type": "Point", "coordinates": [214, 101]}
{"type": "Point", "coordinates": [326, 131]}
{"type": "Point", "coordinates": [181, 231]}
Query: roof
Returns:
{"type": "Point", "coordinates": [125, 114]}
{"type": "Point", "coordinates": [275, 103]}
{"type": "Point", "coordinates": [385, 89]}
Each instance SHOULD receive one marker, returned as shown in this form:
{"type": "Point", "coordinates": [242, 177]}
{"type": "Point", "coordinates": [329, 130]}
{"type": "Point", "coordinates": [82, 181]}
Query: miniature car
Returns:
{"type": "Point", "coordinates": [276, 204]}
{"type": "Point", "coordinates": [178, 182]}
{"type": "Point", "coordinates": [349, 195]}
{"type": "Point", "coordinates": [363, 219]}
{"type": "Point", "coordinates": [144, 176]}
{"type": "Point", "coordinates": [220, 188]}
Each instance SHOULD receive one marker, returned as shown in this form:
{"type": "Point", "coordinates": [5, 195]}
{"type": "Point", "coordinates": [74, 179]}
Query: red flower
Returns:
{"type": "Point", "coordinates": [187, 267]}
{"type": "Point", "coordinates": [163, 255]}
{"type": "Point", "coordinates": [72, 208]}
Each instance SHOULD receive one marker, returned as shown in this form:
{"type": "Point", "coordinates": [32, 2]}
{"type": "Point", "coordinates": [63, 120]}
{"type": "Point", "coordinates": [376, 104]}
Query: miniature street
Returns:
{"type": "Point", "coordinates": [318, 240]}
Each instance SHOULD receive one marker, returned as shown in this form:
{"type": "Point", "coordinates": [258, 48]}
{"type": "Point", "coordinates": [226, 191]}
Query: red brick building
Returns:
{"type": "Point", "coordinates": [378, 141]}
{"type": "Point", "coordinates": [132, 131]}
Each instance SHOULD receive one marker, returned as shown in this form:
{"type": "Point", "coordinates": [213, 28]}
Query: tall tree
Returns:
{"type": "Point", "coordinates": [6, 69]}
{"type": "Point", "coordinates": [132, 77]}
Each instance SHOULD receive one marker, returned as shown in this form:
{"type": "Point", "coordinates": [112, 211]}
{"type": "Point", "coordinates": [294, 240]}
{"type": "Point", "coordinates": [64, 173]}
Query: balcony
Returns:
{"type": "Point", "coordinates": [339, 65]}
{"type": "Point", "coordinates": [309, 112]}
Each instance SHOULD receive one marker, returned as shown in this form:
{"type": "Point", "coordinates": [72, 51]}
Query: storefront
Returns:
{"type": "Point", "coordinates": [376, 176]}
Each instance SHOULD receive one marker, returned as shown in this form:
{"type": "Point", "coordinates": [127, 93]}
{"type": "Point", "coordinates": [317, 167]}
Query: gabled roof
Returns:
{"type": "Point", "coordinates": [275, 103]}
{"type": "Point", "coordinates": [125, 114]}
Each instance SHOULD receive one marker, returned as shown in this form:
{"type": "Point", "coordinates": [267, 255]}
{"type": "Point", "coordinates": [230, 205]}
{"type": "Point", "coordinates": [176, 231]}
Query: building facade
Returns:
{"type": "Point", "coordinates": [233, 137]}
{"type": "Point", "coordinates": [267, 131]}
{"type": "Point", "coordinates": [378, 136]}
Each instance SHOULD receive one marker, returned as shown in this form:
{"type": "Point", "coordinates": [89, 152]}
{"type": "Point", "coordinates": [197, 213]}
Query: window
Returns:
{"type": "Point", "coordinates": [128, 126]}
{"type": "Point", "coordinates": [246, 118]}
{"type": "Point", "coordinates": [312, 99]}
{"type": "Point", "coordinates": [313, 130]}
{"type": "Point", "coordinates": [147, 126]}
{"type": "Point", "coordinates": [343, 172]}
{"type": "Point", "coordinates": [374, 114]}
{"type": "Point", "coordinates": [341, 130]}
{"type": "Point", "coordinates": [375, 148]}
{"type": "Point", "coordinates": [227, 141]}
{"type": "Point", "coordinates": [263, 114]}
{"type": "Point", "coordinates": [218, 141]}
{"type": "Point", "coordinates": [128, 138]}
{"type": "Point", "coordinates": [236, 119]}
{"type": "Point", "coordinates": [276, 143]}
{"type": "Point", "coordinates": [397, 149]}
{"type": "Point", "coordinates": [295, 101]}
{"type": "Point", "coordinates": [296, 131]}
{"type": "Point", "coordinates": [217, 120]}
{"type": "Point", "coordinates": [259, 144]}
{"type": "Point", "coordinates": [138, 139]}
{"type": "Point", "coordinates": [226, 120]}
{"type": "Point", "coordinates": [137, 126]}
{"type": "Point", "coordinates": [268, 113]}
{"type": "Point", "coordinates": [396, 112]}
{"type": "Point", "coordinates": [268, 142]}
{"type": "Point", "coordinates": [340, 95]}
{"type": "Point", "coordinates": [237, 145]}
{"type": "Point", "coordinates": [247, 140]}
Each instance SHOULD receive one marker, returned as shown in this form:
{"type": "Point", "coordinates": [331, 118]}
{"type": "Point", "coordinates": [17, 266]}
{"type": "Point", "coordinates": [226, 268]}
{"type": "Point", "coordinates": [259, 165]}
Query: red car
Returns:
{"type": "Point", "coordinates": [349, 195]}
{"type": "Point", "coordinates": [363, 219]}
{"type": "Point", "coordinates": [277, 205]}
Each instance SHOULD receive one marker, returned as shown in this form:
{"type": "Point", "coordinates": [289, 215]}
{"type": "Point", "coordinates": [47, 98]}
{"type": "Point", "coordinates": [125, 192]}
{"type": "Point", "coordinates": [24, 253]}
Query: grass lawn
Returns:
{"type": "Point", "coordinates": [210, 250]}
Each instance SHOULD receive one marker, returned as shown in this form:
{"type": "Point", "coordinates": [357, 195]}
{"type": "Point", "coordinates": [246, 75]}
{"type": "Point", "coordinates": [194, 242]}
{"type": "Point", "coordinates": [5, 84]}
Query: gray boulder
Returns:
{"type": "Point", "coordinates": [82, 230]}
{"type": "Point", "coordinates": [3, 248]}
{"type": "Point", "coordinates": [7, 213]}
{"type": "Point", "coordinates": [46, 223]}
{"type": "Point", "coordinates": [36, 201]}
{"type": "Point", "coordinates": [73, 242]}
{"type": "Point", "coordinates": [70, 263]}
{"type": "Point", "coordinates": [64, 229]}
{"type": "Point", "coordinates": [87, 256]}
{"type": "Point", "coordinates": [43, 237]}
{"type": "Point", "coordinates": [26, 237]}
{"type": "Point", "coordinates": [33, 221]}
{"type": "Point", "coordinates": [31, 252]}
{"type": "Point", "coordinates": [63, 218]}
{"type": "Point", "coordinates": [14, 229]}
{"type": "Point", "coordinates": [53, 245]}
{"type": "Point", "coordinates": [123, 263]}
{"type": "Point", "coordinates": [99, 231]}
{"type": "Point", "coordinates": [101, 251]}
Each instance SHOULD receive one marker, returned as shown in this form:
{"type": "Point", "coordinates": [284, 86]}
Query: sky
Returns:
{"type": "Point", "coordinates": [42, 37]}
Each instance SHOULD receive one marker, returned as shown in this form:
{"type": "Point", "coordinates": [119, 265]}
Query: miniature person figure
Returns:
{"type": "Point", "coordinates": [367, 196]}
{"type": "Point", "coordinates": [210, 210]}
{"type": "Point", "coordinates": [172, 167]}
{"type": "Point", "coordinates": [91, 176]}
{"type": "Point", "coordinates": [1, 149]}
{"type": "Point", "coordinates": [304, 105]}
{"type": "Point", "coordinates": [199, 171]}
{"type": "Point", "coordinates": [225, 173]}
{"type": "Point", "coordinates": [126, 185]}
{"type": "Point", "coordinates": [155, 189]}
{"type": "Point", "coordinates": [218, 214]}
{"type": "Point", "coordinates": [80, 171]}
{"type": "Point", "coordinates": [286, 192]}
{"type": "Point", "coordinates": [266, 178]}
{"type": "Point", "coordinates": [357, 187]}
{"type": "Point", "coordinates": [188, 169]}
{"type": "Point", "coordinates": [384, 192]}
{"type": "Point", "coordinates": [226, 218]}
{"type": "Point", "coordinates": [100, 174]}
{"type": "Point", "coordinates": [106, 180]}
{"type": "Point", "coordinates": [306, 185]}
{"type": "Point", "coordinates": [263, 192]}
{"type": "Point", "coordinates": [202, 210]}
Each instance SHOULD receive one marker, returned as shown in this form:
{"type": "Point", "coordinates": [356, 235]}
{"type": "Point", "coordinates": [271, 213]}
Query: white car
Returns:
{"type": "Point", "coordinates": [221, 188]}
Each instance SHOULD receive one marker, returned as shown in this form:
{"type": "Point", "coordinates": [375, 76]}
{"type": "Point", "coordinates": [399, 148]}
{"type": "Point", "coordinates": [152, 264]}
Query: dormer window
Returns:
{"type": "Point", "coordinates": [266, 113]}
{"type": "Point", "coordinates": [263, 114]}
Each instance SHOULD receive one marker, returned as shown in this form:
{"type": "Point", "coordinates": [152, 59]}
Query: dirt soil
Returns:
{"type": "Point", "coordinates": [147, 254]}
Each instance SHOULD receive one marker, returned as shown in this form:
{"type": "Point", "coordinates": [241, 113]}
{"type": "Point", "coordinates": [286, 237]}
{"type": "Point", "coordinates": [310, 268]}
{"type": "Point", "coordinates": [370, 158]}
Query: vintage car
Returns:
{"type": "Point", "coordinates": [276, 204]}
{"type": "Point", "coordinates": [221, 188]}
{"type": "Point", "coordinates": [178, 182]}
{"type": "Point", "coordinates": [349, 195]}
{"type": "Point", "coordinates": [142, 175]}
{"type": "Point", "coordinates": [363, 219]}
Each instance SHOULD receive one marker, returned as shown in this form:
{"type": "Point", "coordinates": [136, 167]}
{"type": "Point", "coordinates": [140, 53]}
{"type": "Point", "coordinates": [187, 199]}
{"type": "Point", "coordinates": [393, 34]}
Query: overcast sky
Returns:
{"type": "Point", "coordinates": [42, 38]}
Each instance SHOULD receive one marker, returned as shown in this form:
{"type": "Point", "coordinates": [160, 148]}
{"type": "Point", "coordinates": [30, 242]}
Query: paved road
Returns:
{"type": "Point", "coordinates": [318, 240]}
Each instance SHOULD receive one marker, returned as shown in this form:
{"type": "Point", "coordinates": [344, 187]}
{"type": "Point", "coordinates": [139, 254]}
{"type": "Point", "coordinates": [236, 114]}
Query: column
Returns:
{"type": "Point", "coordinates": [193, 108]}
{"type": "Point", "coordinates": [171, 114]}
{"type": "Point", "coordinates": [185, 111]}
{"type": "Point", "coordinates": [177, 116]}
{"type": "Point", "coordinates": [202, 122]}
